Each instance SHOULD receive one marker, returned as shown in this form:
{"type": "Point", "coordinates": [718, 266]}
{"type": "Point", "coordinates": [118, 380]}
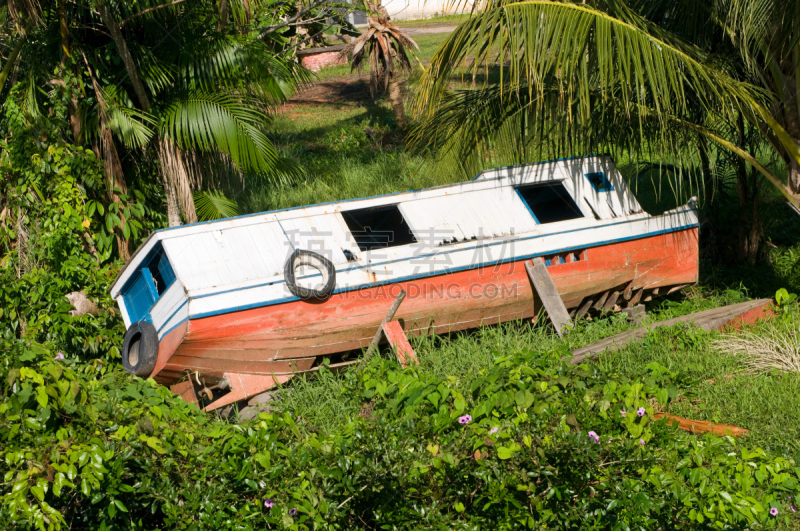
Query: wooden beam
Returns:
{"type": "Point", "coordinates": [734, 315]}
{"type": "Point", "coordinates": [611, 301]}
{"type": "Point", "coordinates": [584, 308]}
{"type": "Point", "coordinates": [389, 316]}
{"type": "Point", "coordinates": [548, 294]}
{"type": "Point", "coordinates": [397, 338]}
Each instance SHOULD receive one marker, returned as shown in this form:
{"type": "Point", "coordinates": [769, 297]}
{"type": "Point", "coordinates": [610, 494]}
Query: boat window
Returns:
{"type": "Point", "coordinates": [147, 284]}
{"type": "Point", "coordinates": [378, 228]}
{"type": "Point", "coordinates": [549, 203]}
{"type": "Point", "coordinates": [599, 182]}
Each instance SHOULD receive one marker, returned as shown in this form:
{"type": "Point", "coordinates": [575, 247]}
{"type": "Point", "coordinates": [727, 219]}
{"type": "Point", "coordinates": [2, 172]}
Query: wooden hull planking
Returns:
{"type": "Point", "coordinates": [285, 338]}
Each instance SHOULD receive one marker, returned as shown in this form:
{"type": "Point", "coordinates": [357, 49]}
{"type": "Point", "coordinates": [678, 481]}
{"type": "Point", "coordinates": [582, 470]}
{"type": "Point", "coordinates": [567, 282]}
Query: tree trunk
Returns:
{"type": "Point", "coordinates": [75, 122]}
{"type": "Point", "coordinates": [749, 221]}
{"type": "Point", "coordinates": [794, 176]}
{"type": "Point", "coordinates": [223, 15]}
{"type": "Point", "coordinates": [112, 165]}
{"type": "Point", "coordinates": [177, 187]}
{"type": "Point", "coordinates": [397, 100]}
{"type": "Point", "coordinates": [173, 168]}
{"type": "Point", "coordinates": [125, 54]}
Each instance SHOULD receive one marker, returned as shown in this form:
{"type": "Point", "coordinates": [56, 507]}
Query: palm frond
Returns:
{"type": "Point", "coordinates": [540, 43]}
{"type": "Point", "coordinates": [134, 127]}
{"type": "Point", "coordinates": [231, 124]}
{"type": "Point", "coordinates": [212, 204]}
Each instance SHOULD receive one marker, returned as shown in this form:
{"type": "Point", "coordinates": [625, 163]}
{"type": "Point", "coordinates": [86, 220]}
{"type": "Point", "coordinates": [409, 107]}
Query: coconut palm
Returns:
{"type": "Point", "coordinates": [192, 83]}
{"type": "Point", "coordinates": [385, 45]}
{"type": "Point", "coordinates": [640, 75]}
{"type": "Point", "coordinates": [683, 81]}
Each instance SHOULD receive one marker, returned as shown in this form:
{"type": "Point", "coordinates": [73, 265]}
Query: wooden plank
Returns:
{"type": "Point", "coordinates": [584, 308]}
{"type": "Point", "coordinates": [244, 386]}
{"type": "Point", "coordinates": [389, 316]}
{"type": "Point", "coordinates": [185, 390]}
{"type": "Point", "coordinates": [707, 320]}
{"type": "Point", "coordinates": [546, 289]}
{"type": "Point", "coordinates": [611, 301]}
{"type": "Point", "coordinates": [636, 298]}
{"type": "Point", "coordinates": [702, 426]}
{"type": "Point", "coordinates": [397, 338]}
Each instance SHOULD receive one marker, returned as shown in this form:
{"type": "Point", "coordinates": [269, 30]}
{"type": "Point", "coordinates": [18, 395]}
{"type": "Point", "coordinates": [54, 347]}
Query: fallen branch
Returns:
{"type": "Point", "coordinates": [702, 426]}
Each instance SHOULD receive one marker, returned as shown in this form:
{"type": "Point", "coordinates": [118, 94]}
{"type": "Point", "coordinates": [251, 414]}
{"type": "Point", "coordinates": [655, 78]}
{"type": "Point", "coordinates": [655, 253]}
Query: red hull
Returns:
{"type": "Point", "coordinates": [287, 337]}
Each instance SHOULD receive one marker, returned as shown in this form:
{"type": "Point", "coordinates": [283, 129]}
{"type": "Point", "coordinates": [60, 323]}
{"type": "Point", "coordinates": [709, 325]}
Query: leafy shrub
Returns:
{"type": "Point", "coordinates": [91, 447]}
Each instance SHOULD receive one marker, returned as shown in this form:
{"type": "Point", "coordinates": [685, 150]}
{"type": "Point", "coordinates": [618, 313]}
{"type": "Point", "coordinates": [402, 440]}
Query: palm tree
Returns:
{"type": "Point", "coordinates": [673, 78]}
{"type": "Point", "coordinates": [193, 83]}
{"type": "Point", "coordinates": [385, 44]}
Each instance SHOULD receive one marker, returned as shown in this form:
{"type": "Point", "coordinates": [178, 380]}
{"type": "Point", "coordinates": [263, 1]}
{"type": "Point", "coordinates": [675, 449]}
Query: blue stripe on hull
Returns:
{"type": "Point", "coordinates": [412, 277]}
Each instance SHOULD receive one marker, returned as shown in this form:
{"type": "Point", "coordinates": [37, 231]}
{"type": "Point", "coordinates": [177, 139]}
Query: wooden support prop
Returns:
{"type": "Point", "coordinates": [734, 315]}
{"type": "Point", "coordinates": [636, 298]}
{"type": "Point", "coordinates": [584, 308]}
{"type": "Point", "coordinates": [246, 385]}
{"type": "Point", "coordinates": [397, 338]}
{"type": "Point", "coordinates": [185, 390]}
{"type": "Point", "coordinates": [389, 316]}
{"type": "Point", "coordinates": [702, 426]}
{"type": "Point", "coordinates": [611, 301]}
{"type": "Point", "coordinates": [543, 285]}
{"type": "Point", "coordinates": [601, 301]}
{"type": "Point", "coordinates": [628, 293]}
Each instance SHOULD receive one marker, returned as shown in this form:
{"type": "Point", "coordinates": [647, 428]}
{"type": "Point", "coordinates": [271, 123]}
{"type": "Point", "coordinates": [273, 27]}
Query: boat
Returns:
{"type": "Point", "coordinates": [239, 305]}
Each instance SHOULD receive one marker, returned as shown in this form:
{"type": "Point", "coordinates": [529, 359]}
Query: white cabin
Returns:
{"type": "Point", "coordinates": [513, 213]}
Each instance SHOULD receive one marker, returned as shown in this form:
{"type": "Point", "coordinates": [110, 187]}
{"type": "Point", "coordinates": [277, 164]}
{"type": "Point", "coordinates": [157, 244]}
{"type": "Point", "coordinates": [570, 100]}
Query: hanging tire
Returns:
{"type": "Point", "coordinates": [311, 259]}
{"type": "Point", "coordinates": [140, 349]}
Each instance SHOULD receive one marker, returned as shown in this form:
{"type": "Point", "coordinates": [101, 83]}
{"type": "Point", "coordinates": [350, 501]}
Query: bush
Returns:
{"type": "Point", "coordinates": [536, 443]}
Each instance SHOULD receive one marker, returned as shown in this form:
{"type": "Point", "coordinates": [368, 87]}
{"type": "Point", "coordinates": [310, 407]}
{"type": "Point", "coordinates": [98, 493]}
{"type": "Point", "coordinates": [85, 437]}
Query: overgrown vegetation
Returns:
{"type": "Point", "coordinates": [494, 429]}
{"type": "Point", "coordinates": [526, 441]}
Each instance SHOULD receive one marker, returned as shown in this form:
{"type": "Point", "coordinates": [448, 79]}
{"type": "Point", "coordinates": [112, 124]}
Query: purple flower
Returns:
{"type": "Point", "coordinates": [292, 511]}
{"type": "Point", "coordinates": [593, 436]}
{"type": "Point", "coordinates": [494, 430]}
{"type": "Point", "coordinates": [640, 412]}
{"type": "Point", "coordinates": [791, 507]}
{"type": "Point", "coordinates": [464, 420]}
{"type": "Point", "coordinates": [773, 511]}
{"type": "Point", "coordinates": [269, 503]}
{"type": "Point", "coordinates": [623, 413]}
{"type": "Point", "coordinates": [641, 441]}
{"type": "Point", "coordinates": [59, 356]}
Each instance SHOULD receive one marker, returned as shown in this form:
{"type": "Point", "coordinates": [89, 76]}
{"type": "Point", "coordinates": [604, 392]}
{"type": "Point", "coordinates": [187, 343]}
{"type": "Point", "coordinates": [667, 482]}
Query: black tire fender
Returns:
{"type": "Point", "coordinates": [315, 260]}
{"type": "Point", "coordinates": [140, 349]}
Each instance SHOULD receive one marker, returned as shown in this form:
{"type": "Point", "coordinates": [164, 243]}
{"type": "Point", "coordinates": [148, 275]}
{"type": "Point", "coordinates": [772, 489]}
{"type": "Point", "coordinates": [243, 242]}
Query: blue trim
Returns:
{"type": "Point", "coordinates": [150, 283]}
{"type": "Point", "coordinates": [607, 186]}
{"type": "Point", "coordinates": [184, 303]}
{"type": "Point", "coordinates": [527, 206]}
{"type": "Point", "coordinates": [437, 273]}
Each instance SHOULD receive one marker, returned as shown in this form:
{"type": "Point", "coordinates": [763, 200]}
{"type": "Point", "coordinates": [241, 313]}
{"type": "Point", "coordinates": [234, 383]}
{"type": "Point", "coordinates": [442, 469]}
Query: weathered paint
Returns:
{"type": "Point", "coordinates": [229, 310]}
{"type": "Point", "coordinates": [285, 338]}
{"type": "Point", "coordinates": [396, 337]}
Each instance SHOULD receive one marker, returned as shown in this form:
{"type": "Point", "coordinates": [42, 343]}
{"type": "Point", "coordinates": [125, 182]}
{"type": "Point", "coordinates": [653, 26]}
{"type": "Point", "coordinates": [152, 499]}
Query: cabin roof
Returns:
{"type": "Point", "coordinates": [419, 217]}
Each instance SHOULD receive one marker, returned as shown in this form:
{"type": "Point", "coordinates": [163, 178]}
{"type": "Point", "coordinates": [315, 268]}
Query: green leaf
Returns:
{"type": "Point", "coordinates": [212, 204]}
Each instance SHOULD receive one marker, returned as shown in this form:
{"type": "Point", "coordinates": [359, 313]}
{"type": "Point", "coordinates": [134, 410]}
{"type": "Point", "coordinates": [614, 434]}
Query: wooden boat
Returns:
{"type": "Point", "coordinates": [251, 300]}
